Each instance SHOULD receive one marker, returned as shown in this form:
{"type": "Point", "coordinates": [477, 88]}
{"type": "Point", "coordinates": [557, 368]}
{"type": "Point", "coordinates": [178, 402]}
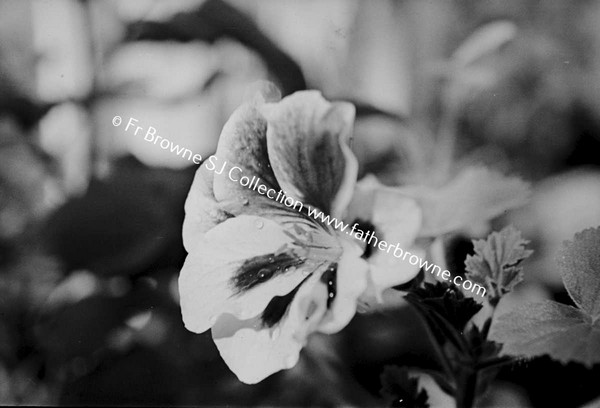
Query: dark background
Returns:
{"type": "Point", "coordinates": [90, 216]}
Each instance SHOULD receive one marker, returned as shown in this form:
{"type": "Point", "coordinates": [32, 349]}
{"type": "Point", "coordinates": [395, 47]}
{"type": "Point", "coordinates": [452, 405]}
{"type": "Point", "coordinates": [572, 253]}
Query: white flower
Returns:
{"type": "Point", "coordinates": [264, 276]}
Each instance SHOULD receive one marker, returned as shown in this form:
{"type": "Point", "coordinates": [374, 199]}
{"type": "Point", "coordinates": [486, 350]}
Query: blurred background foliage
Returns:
{"type": "Point", "coordinates": [90, 216]}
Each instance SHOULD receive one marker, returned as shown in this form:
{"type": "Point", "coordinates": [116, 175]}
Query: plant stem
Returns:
{"type": "Point", "coordinates": [466, 387]}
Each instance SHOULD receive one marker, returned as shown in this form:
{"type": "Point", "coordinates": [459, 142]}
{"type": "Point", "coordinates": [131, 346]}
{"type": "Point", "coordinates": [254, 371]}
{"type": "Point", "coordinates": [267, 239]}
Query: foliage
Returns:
{"type": "Point", "coordinates": [566, 333]}
{"type": "Point", "coordinates": [495, 264]}
{"type": "Point", "coordinates": [468, 358]}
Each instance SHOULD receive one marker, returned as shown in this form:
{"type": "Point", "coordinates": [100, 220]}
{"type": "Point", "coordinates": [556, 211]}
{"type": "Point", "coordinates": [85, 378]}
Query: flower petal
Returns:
{"type": "Point", "coordinates": [242, 152]}
{"type": "Point", "coordinates": [397, 217]}
{"type": "Point", "coordinates": [253, 351]}
{"type": "Point", "coordinates": [351, 282]}
{"type": "Point", "coordinates": [385, 275]}
{"type": "Point", "coordinates": [202, 212]}
{"type": "Point", "coordinates": [388, 271]}
{"type": "Point", "coordinates": [306, 136]}
{"type": "Point", "coordinates": [208, 279]}
{"type": "Point", "coordinates": [397, 220]}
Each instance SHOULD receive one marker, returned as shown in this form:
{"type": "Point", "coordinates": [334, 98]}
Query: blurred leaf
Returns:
{"type": "Point", "coordinates": [563, 332]}
{"type": "Point", "coordinates": [400, 390]}
{"type": "Point", "coordinates": [140, 378]}
{"type": "Point", "coordinates": [217, 19]}
{"type": "Point", "coordinates": [25, 181]}
{"type": "Point", "coordinates": [579, 262]}
{"type": "Point", "coordinates": [20, 386]}
{"type": "Point", "coordinates": [88, 327]}
{"type": "Point", "coordinates": [474, 196]}
{"type": "Point", "coordinates": [80, 329]}
{"type": "Point", "coordinates": [123, 224]}
{"type": "Point", "coordinates": [496, 260]}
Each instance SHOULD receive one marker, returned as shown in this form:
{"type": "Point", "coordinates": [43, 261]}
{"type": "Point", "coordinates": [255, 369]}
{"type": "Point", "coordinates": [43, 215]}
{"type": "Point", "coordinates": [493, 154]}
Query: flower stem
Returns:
{"type": "Point", "coordinates": [466, 388]}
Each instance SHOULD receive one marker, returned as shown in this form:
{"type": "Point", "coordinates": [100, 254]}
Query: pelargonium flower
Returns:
{"type": "Point", "coordinates": [264, 276]}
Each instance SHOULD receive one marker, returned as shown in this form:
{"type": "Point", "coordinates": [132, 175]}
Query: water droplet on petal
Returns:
{"type": "Point", "coordinates": [245, 201]}
{"type": "Point", "coordinates": [259, 224]}
{"type": "Point", "coordinates": [262, 274]}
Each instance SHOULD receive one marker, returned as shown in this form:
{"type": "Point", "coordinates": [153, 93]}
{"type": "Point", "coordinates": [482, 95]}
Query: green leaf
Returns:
{"type": "Point", "coordinates": [563, 332]}
{"type": "Point", "coordinates": [400, 390]}
{"type": "Point", "coordinates": [496, 260]}
{"type": "Point", "coordinates": [579, 263]}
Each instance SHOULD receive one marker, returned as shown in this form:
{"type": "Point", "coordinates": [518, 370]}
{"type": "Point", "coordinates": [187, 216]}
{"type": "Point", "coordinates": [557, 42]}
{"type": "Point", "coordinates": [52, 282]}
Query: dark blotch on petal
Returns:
{"type": "Point", "coordinates": [277, 307]}
{"type": "Point", "coordinates": [367, 227]}
{"type": "Point", "coordinates": [329, 278]}
{"type": "Point", "coordinates": [304, 137]}
{"type": "Point", "coordinates": [259, 269]}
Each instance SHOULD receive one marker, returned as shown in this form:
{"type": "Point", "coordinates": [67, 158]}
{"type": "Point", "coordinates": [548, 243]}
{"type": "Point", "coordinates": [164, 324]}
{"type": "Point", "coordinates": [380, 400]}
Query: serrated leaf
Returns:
{"type": "Point", "coordinates": [579, 262]}
{"type": "Point", "coordinates": [400, 390]}
{"type": "Point", "coordinates": [563, 332]}
{"type": "Point", "coordinates": [496, 259]}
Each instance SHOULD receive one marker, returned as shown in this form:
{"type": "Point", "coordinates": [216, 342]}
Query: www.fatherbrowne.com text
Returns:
{"type": "Point", "coordinates": [236, 174]}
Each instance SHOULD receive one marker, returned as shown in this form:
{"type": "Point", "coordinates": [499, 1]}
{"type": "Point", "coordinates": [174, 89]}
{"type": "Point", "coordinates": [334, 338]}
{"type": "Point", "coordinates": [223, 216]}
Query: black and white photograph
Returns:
{"type": "Point", "coordinates": [315, 203]}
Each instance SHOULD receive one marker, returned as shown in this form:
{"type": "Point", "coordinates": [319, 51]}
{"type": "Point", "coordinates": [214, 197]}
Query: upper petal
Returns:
{"type": "Point", "coordinates": [242, 152]}
{"type": "Point", "coordinates": [202, 211]}
{"type": "Point", "coordinates": [307, 141]}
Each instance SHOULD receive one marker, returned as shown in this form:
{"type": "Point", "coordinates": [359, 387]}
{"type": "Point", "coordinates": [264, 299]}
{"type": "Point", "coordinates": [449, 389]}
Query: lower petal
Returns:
{"type": "Point", "coordinates": [253, 351]}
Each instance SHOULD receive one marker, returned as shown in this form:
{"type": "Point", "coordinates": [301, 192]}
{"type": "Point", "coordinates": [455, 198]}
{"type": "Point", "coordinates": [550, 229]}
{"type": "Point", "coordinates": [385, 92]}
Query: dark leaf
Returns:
{"type": "Point", "coordinates": [447, 301]}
